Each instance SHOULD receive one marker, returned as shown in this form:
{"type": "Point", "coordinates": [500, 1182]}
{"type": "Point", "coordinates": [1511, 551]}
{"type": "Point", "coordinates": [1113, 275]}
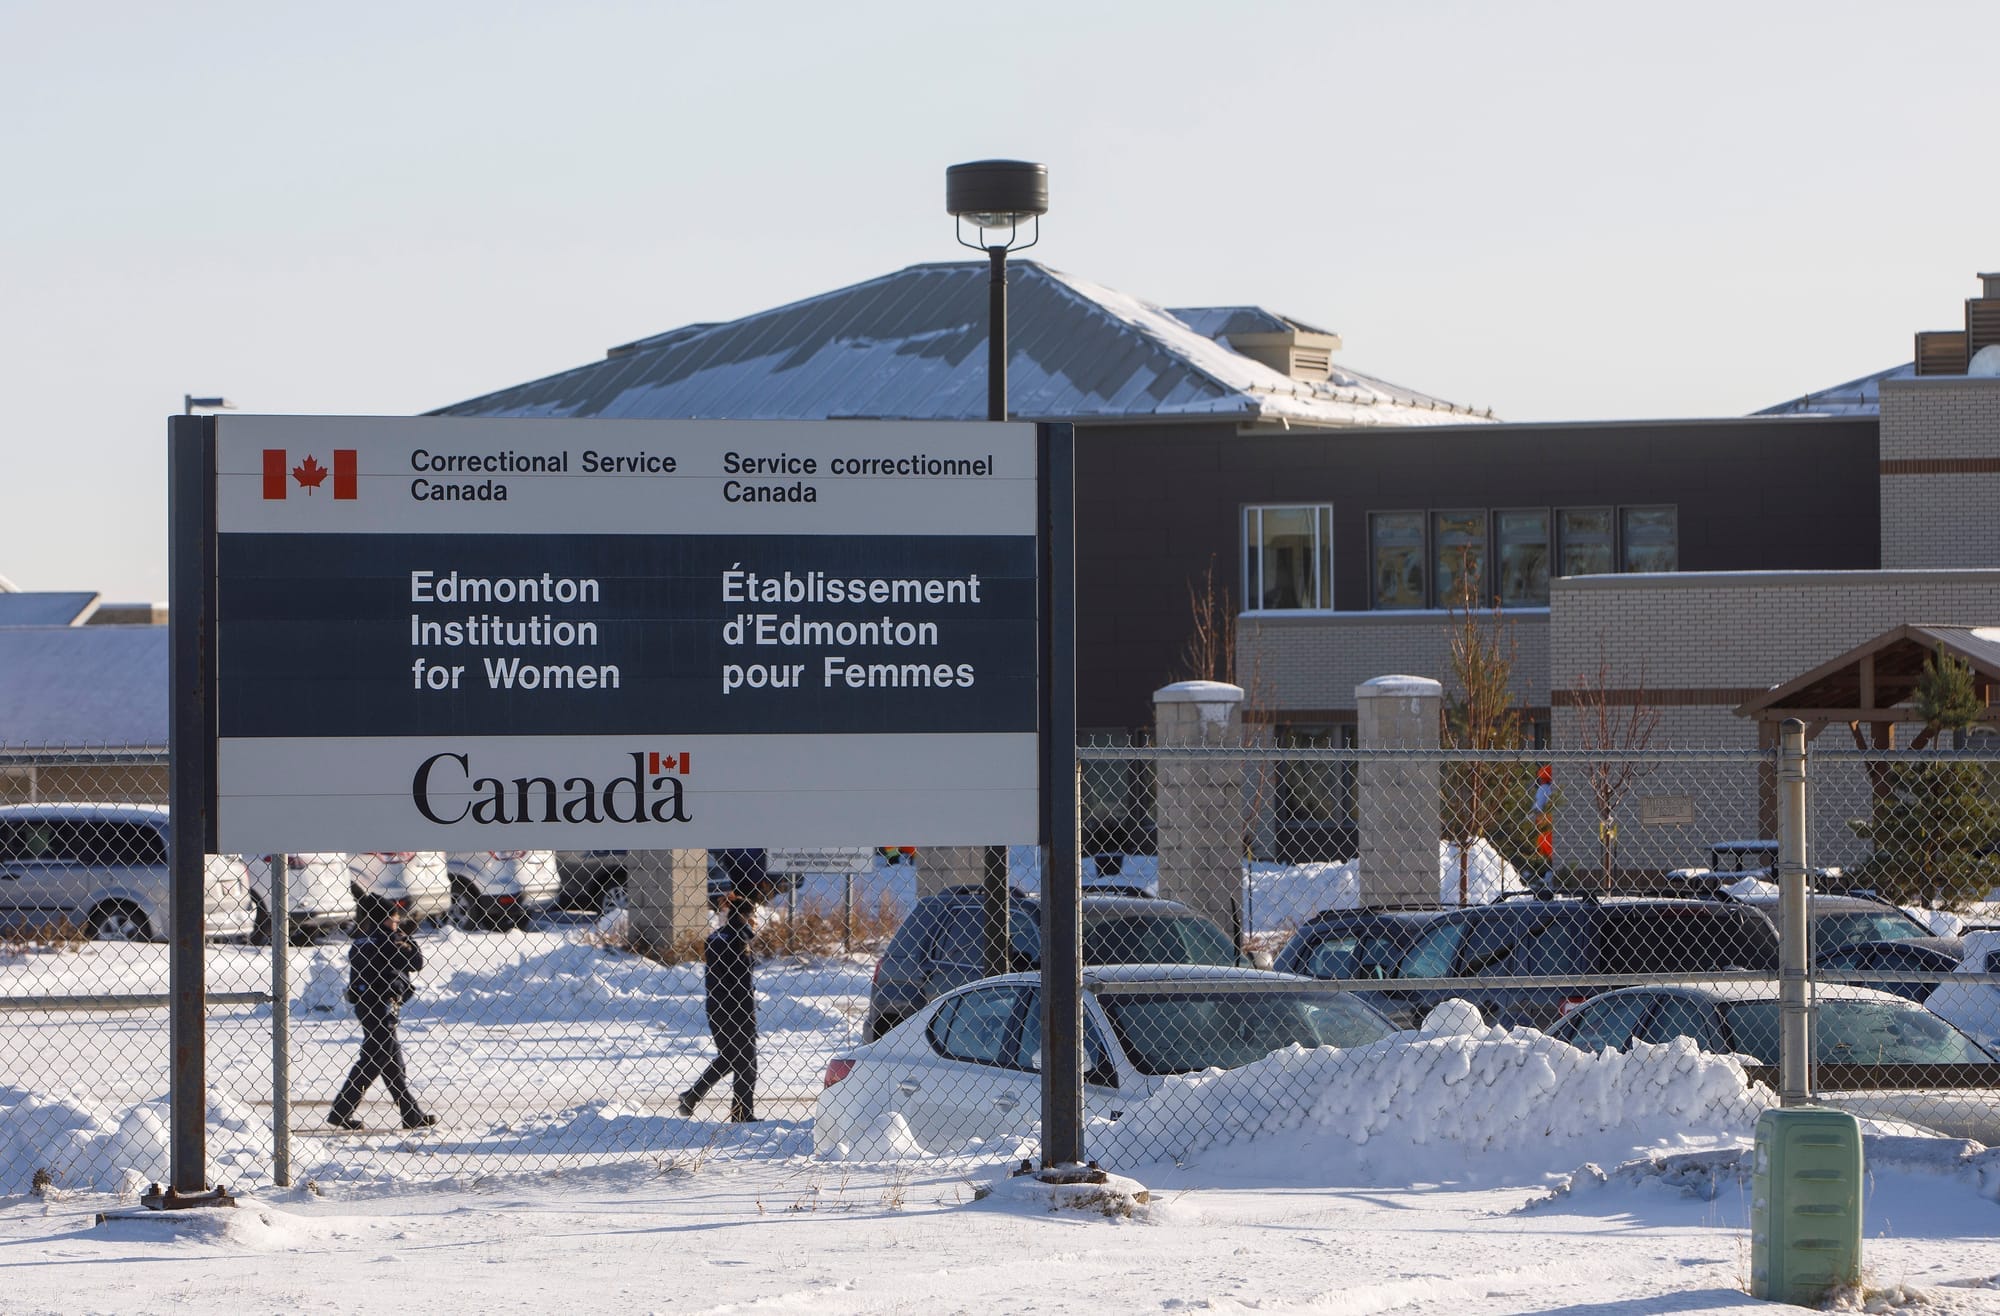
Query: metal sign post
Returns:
{"type": "Point", "coordinates": [1062, 883]}
{"type": "Point", "coordinates": [190, 778]}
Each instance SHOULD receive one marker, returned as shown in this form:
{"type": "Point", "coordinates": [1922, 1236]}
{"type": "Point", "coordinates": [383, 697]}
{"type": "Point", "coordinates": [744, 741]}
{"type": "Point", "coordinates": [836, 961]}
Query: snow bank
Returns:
{"type": "Point", "coordinates": [74, 1144]}
{"type": "Point", "coordinates": [1282, 898]}
{"type": "Point", "coordinates": [1503, 1105]}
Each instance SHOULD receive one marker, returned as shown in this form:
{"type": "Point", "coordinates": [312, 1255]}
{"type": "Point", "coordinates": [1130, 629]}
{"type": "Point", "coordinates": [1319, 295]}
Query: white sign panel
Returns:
{"type": "Point", "coordinates": [443, 633]}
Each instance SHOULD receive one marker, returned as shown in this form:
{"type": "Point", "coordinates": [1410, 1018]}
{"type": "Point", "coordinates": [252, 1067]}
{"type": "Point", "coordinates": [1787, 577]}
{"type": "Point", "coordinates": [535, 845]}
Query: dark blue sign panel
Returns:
{"type": "Point", "coordinates": [428, 635]}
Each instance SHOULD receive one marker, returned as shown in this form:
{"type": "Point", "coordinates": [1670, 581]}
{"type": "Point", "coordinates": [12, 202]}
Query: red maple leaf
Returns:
{"type": "Point", "coordinates": [309, 473]}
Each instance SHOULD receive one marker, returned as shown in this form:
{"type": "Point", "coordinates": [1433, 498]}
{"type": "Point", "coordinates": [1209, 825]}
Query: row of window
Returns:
{"type": "Point", "coordinates": [1428, 559]}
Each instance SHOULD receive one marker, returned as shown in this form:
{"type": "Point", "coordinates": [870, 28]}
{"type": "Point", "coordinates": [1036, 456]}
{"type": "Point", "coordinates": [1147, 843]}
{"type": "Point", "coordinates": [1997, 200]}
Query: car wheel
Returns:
{"type": "Point", "coordinates": [464, 911]}
{"type": "Point", "coordinates": [118, 920]}
{"type": "Point", "coordinates": [260, 931]}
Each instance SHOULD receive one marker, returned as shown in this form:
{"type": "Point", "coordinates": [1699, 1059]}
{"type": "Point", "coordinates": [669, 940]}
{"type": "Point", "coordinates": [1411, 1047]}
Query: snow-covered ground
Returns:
{"type": "Point", "coordinates": [1452, 1171]}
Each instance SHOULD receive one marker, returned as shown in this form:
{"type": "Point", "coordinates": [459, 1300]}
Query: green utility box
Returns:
{"type": "Point", "coordinates": [1805, 1204]}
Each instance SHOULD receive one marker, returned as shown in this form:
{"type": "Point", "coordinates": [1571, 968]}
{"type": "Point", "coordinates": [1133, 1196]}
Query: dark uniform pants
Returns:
{"type": "Point", "coordinates": [736, 1053]}
{"type": "Point", "coordinates": [381, 1057]}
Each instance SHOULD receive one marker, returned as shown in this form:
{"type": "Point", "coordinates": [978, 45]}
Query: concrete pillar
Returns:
{"type": "Point", "coordinates": [1397, 804]}
{"type": "Point", "coordinates": [1199, 803]}
{"type": "Point", "coordinates": [941, 866]}
{"type": "Point", "coordinates": [666, 896]}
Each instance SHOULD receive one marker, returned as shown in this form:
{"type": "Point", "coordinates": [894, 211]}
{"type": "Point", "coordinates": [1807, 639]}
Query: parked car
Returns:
{"type": "Point", "coordinates": [968, 1065]}
{"type": "Point", "coordinates": [1866, 934]}
{"type": "Point", "coordinates": [939, 946]}
{"type": "Point", "coordinates": [1974, 1007]}
{"type": "Point", "coordinates": [101, 869]}
{"type": "Point", "coordinates": [1353, 943]}
{"type": "Point", "coordinates": [500, 889]}
{"type": "Point", "coordinates": [590, 880]}
{"type": "Point", "coordinates": [414, 881]}
{"type": "Point", "coordinates": [1572, 940]}
{"type": "Point", "coordinates": [1852, 1027]}
{"type": "Point", "coordinates": [317, 894]}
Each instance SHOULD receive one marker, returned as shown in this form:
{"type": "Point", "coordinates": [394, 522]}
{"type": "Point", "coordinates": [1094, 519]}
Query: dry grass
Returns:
{"type": "Point", "coordinates": [64, 936]}
{"type": "Point", "coordinates": [817, 930]}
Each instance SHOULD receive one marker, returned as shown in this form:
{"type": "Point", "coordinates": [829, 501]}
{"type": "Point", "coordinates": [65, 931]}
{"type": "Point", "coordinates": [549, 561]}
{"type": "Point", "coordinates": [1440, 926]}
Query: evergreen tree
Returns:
{"type": "Point", "coordinates": [1935, 823]}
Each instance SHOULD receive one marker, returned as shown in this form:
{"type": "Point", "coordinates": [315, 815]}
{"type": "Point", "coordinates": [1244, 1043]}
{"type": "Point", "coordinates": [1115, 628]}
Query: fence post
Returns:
{"type": "Point", "coordinates": [1794, 932]}
{"type": "Point", "coordinates": [281, 1021]}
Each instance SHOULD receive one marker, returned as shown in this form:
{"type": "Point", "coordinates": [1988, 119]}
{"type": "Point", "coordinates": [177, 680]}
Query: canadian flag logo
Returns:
{"type": "Point", "coordinates": [309, 473]}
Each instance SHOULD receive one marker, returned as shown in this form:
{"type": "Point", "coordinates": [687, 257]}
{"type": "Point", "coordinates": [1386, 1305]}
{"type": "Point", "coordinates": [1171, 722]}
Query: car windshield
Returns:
{"type": "Point", "coordinates": [1182, 1031]}
{"type": "Point", "coordinates": [1835, 929]}
{"type": "Point", "coordinates": [1856, 1033]}
{"type": "Point", "coordinates": [1154, 939]}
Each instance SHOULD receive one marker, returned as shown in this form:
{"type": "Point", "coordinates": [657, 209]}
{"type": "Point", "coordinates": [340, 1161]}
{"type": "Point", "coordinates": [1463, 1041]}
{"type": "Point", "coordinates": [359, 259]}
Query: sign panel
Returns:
{"type": "Point", "coordinates": [445, 633]}
{"type": "Point", "coordinates": [821, 859]}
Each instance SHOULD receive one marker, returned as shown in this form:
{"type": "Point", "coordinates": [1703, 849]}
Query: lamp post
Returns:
{"type": "Point", "coordinates": [996, 197]}
{"type": "Point", "coordinates": [999, 197]}
{"type": "Point", "coordinates": [190, 404]}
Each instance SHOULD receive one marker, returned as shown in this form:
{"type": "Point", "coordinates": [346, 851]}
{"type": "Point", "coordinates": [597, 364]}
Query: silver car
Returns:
{"type": "Point", "coordinates": [414, 881]}
{"type": "Point", "coordinates": [101, 869]}
{"type": "Point", "coordinates": [1864, 1033]}
{"type": "Point", "coordinates": [318, 897]}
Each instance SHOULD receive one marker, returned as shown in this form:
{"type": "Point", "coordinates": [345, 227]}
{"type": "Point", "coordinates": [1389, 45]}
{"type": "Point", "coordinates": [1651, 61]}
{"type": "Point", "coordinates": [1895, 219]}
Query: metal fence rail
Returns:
{"type": "Point", "coordinates": [1570, 897]}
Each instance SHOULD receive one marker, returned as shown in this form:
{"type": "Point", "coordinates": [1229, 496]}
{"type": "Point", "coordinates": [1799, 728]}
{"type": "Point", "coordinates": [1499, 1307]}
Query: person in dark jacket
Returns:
{"type": "Point", "coordinates": [732, 1010]}
{"type": "Point", "coordinates": [380, 960]}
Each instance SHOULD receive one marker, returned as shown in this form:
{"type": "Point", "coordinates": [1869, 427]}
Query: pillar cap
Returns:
{"type": "Point", "coordinates": [1199, 692]}
{"type": "Point", "coordinates": [1399, 687]}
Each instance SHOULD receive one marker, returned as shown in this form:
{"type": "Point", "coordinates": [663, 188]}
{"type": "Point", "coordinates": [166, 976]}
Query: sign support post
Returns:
{"type": "Point", "coordinates": [190, 775]}
{"type": "Point", "coordinates": [1062, 889]}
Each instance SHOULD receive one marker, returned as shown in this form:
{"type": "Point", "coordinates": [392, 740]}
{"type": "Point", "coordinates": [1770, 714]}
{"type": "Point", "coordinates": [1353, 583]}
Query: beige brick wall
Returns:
{"type": "Point", "coordinates": [1742, 630]}
{"type": "Point", "coordinates": [1314, 662]}
{"type": "Point", "coordinates": [1940, 518]}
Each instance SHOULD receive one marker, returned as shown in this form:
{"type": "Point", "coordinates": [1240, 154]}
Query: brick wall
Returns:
{"type": "Point", "coordinates": [1940, 479]}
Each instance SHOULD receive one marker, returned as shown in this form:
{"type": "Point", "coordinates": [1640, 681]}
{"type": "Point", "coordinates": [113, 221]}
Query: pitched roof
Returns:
{"type": "Point", "coordinates": [912, 346]}
{"type": "Point", "coordinates": [83, 686]}
{"type": "Point", "coordinates": [46, 608]}
{"type": "Point", "coordinates": [1856, 397]}
{"type": "Point", "coordinates": [1894, 662]}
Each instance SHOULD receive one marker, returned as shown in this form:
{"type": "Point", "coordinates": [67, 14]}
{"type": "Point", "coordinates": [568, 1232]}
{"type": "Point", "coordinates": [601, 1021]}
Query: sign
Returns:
{"type": "Point", "coordinates": [820, 859]}
{"type": "Point", "coordinates": [464, 634]}
{"type": "Point", "coordinates": [1666, 810]}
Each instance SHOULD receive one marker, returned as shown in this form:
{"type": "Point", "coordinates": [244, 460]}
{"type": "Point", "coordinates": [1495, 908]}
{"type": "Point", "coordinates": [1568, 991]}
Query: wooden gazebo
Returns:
{"type": "Point", "coordinates": [1868, 689]}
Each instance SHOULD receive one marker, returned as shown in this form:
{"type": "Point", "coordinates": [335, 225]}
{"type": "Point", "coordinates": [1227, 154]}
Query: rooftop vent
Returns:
{"type": "Point", "coordinates": [1951, 351]}
{"type": "Point", "coordinates": [1298, 353]}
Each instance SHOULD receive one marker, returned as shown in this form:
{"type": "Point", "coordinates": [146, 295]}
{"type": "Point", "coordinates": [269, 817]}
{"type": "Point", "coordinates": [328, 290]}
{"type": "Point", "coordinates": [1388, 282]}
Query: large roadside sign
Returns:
{"type": "Point", "coordinates": [462, 634]}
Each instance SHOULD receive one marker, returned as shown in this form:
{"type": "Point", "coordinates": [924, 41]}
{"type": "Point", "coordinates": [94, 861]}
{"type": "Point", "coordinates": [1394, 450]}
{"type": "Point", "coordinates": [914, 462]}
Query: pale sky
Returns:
{"type": "Point", "coordinates": [1556, 210]}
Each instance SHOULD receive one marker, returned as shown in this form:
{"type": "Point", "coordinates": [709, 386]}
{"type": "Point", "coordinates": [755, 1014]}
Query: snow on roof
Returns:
{"type": "Point", "coordinates": [83, 685]}
{"type": "Point", "coordinates": [911, 346]}
{"type": "Point", "coordinates": [1856, 397]}
{"type": "Point", "coordinates": [45, 609]}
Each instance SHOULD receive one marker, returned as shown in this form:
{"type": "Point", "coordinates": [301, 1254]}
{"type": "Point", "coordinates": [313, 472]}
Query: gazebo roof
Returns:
{"type": "Point", "coordinates": [1870, 680]}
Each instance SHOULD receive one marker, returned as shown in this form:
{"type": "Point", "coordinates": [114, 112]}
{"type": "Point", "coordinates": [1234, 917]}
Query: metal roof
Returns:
{"type": "Point", "coordinates": [46, 609]}
{"type": "Point", "coordinates": [912, 346]}
{"type": "Point", "coordinates": [1856, 397]}
{"type": "Point", "coordinates": [80, 686]}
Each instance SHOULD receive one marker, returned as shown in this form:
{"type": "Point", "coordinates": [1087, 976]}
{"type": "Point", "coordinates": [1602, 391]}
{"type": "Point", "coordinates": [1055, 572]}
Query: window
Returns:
{"type": "Point", "coordinates": [1586, 541]}
{"type": "Point", "coordinates": [1459, 541]}
{"type": "Point", "coordinates": [1288, 557]}
{"type": "Point", "coordinates": [1648, 539]}
{"type": "Point", "coordinates": [1522, 557]}
{"type": "Point", "coordinates": [1396, 542]}
{"type": "Point", "coordinates": [978, 1027]}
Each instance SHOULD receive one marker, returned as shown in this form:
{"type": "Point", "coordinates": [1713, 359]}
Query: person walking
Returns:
{"type": "Point", "coordinates": [380, 960]}
{"type": "Point", "coordinates": [732, 1009]}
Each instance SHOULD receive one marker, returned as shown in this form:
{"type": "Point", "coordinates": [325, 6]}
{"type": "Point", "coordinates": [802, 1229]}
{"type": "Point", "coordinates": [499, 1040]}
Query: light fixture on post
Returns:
{"type": "Point", "coordinates": [190, 404]}
{"type": "Point", "coordinates": [996, 197]}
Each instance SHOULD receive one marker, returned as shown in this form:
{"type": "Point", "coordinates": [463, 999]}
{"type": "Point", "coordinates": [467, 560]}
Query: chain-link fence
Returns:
{"type": "Point", "coordinates": [450, 1015]}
